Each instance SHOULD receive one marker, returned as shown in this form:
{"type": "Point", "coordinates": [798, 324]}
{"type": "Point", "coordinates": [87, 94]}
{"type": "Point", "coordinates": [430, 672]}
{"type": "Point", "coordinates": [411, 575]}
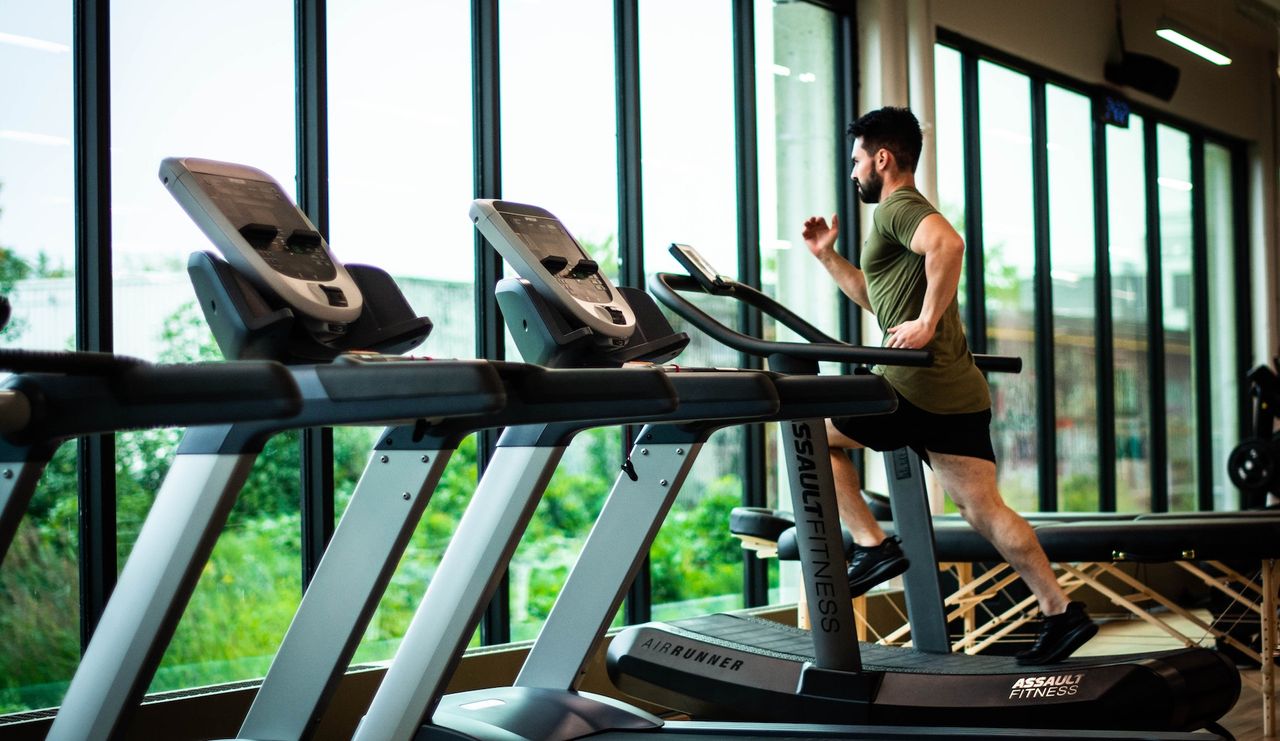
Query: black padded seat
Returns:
{"type": "Point", "coordinates": [1243, 513]}
{"type": "Point", "coordinates": [759, 522]}
{"type": "Point", "coordinates": [1247, 538]}
{"type": "Point", "coordinates": [955, 540]}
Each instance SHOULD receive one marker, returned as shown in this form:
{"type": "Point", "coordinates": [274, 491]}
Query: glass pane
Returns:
{"type": "Point", "coordinates": [1072, 269]}
{"type": "Point", "coordinates": [1173, 149]}
{"type": "Point", "coordinates": [1009, 268]}
{"type": "Point", "coordinates": [949, 134]}
{"type": "Point", "coordinates": [1126, 207]}
{"type": "Point", "coordinates": [39, 582]}
{"type": "Point", "coordinates": [559, 151]}
{"type": "Point", "coordinates": [690, 196]}
{"type": "Point", "coordinates": [1224, 373]}
{"type": "Point", "coordinates": [243, 53]}
{"type": "Point", "coordinates": [689, 167]}
{"type": "Point", "coordinates": [559, 130]}
{"type": "Point", "coordinates": [392, 153]}
{"type": "Point", "coordinates": [560, 526]}
{"type": "Point", "coordinates": [800, 165]}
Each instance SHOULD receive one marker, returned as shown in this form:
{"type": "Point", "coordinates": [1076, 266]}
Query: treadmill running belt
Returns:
{"type": "Point", "coordinates": [783, 641]}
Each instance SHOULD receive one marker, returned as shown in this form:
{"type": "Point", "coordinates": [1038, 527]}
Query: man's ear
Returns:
{"type": "Point", "coordinates": [883, 157]}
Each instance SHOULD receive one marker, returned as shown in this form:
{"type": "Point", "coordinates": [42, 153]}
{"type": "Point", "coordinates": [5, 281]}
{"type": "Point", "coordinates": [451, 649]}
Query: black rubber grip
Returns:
{"type": "Point", "coordinates": [998, 363]}
{"type": "Point", "coordinates": [724, 395]}
{"type": "Point", "coordinates": [145, 395]}
{"type": "Point", "coordinates": [408, 379]}
{"type": "Point", "coordinates": [537, 385]}
{"type": "Point", "coordinates": [805, 397]}
{"type": "Point", "coordinates": [206, 383]}
{"type": "Point", "coordinates": [68, 362]}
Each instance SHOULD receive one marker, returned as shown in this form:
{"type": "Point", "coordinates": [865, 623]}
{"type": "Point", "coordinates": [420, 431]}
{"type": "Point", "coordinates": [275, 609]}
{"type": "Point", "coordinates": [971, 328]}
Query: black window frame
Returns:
{"type": "Point", "coordinates": [972, 52]}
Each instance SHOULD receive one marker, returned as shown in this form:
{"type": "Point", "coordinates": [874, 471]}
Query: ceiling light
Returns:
{"type": "Point", "coordinates": [31, 43]}
{"type": "Point", "coordinates": [1174, 184]}
{"type": "Point", "coordinates": [1194, 42]}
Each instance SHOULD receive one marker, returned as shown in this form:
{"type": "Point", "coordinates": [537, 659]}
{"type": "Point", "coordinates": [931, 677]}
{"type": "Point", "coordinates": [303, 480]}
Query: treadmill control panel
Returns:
{"type": "Point", "coordinates": [266, 237]}
{"type": "Point", "coordinates": [544, 253]}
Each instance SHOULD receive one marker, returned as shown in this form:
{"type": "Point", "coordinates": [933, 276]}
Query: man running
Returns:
{"type": "Point", "coordinates": [910, 274]}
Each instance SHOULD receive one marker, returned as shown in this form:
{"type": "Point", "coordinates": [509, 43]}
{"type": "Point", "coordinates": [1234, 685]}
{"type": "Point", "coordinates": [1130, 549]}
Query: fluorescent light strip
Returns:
{"type": "Point", "coordinates": [1174, 184]}
{"type": "Point", "coordinates": [781, 70]}
{"type": "Point", "coordinates": [1195, 47]}
{"type": "Point", "coordinates": [30, 43]}
{"type": "Point", "coordinates": [33, 138]}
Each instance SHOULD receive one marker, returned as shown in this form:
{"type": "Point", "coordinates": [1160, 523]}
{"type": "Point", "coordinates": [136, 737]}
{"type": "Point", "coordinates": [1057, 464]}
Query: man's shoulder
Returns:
{"type": "Point", "coordinates": [906, 197]}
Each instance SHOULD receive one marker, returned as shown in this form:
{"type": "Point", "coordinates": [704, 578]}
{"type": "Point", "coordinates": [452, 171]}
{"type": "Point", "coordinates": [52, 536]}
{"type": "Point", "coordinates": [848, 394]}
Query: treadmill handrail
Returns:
{"type": "Point", "coordinates": [66, 362]}
{"type": "Point", "coordinates": [104, 393]}
{"type": "Point", "coordinates": [666, 287]}
{"type": "Point", "coordinates": [820, 346]}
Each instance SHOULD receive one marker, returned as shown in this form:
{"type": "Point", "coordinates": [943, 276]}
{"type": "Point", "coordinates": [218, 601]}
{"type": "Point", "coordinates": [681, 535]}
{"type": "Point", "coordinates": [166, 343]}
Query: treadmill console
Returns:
{"type": "Point", "coordinates": [266, 238]}
{"type": "Point", "coordinates": [544, 253]}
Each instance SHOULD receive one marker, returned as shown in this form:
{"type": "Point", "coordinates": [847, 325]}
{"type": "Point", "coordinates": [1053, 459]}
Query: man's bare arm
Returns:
{"type": "Point", "coordinates": [820, 238]}
{"type": "Point", "coordinates": [943, 251]}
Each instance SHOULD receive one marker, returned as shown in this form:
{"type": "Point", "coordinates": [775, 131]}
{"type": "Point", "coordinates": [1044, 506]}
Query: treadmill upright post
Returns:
{"type": "Point", "coordinates": [482, 546]}
{"type": "Point", "coordinates": [20, 471]}
{"type": "Point", "coordinates": [813, 499]}
{"type": "Point", "coordinates": [370, 539]}
{"type": "Point", "coordinates": [611, 556]}
{"type": "Point", "coordinates": [172, 547]}
{"type": "Point", "coordinates": [910, 506]}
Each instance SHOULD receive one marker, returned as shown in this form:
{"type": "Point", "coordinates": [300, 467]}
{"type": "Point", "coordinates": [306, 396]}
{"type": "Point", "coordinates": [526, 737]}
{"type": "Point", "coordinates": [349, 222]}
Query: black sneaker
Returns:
{"type": "Point", "coordinates": [1060, 635]}
{"type": "Point", "coordinates": [870, 566]}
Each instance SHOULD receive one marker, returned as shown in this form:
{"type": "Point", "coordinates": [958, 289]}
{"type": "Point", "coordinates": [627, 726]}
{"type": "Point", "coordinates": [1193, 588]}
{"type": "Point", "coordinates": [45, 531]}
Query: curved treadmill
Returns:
{"type": "Point", "coordinates": [730, 667]}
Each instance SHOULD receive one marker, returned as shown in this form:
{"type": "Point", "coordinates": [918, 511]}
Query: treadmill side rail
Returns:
{"type": "Point", "coordinates": [154, 587]}
{"type": "Point", "coordinates": [18, 480]}
{"type": "Point", "coordinates": [366, 547]}
{"type": "Point", "coordinates": [610, 558]}
{"type": "Point", "coordinates": [481, 547]}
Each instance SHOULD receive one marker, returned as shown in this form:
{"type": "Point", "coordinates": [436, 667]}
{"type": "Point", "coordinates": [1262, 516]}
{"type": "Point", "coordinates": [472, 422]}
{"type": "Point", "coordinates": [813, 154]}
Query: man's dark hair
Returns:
{"type": "Point", "coordinates": [894, 129]}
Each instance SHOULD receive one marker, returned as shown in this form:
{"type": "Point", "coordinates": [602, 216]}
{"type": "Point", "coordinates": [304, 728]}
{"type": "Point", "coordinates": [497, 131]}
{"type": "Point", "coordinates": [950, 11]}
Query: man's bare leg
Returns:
{"type": "Point", "coordinates": [854, 512]}
{"type": "Point", "coordinates": [971, 482]}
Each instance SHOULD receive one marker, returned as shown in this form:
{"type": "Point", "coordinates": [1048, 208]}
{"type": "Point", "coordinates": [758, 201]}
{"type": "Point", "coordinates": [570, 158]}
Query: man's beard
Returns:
{"type": "Point", "coordinates": [870, 192]}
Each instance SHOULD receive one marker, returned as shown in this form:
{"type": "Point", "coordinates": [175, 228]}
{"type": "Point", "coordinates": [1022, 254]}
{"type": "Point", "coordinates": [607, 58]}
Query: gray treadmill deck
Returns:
{"type": "Point", "coordinates": [775, 640]}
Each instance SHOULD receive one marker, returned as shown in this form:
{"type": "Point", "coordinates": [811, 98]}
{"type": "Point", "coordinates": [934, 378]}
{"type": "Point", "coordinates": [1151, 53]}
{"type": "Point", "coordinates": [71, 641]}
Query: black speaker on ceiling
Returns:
{"type": "Point", "coordinates": [1145, 73]}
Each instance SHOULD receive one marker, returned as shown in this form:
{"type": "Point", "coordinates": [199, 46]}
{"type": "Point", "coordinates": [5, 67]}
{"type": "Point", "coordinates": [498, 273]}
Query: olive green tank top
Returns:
{"type": "Point", "coordinates": [896, 286]}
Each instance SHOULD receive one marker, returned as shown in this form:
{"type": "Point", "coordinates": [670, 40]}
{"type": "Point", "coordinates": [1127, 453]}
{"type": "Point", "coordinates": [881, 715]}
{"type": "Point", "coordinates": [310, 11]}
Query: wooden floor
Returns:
{"type": "Point", "coordinates": [1127, 635]}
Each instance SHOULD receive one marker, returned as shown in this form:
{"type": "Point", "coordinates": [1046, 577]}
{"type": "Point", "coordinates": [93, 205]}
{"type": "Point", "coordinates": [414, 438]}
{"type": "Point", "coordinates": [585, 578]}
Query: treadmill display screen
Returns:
{"type": "Point", "coordinates": [295, 250]}
{"type": "Point", "coordinates": [548, 238]}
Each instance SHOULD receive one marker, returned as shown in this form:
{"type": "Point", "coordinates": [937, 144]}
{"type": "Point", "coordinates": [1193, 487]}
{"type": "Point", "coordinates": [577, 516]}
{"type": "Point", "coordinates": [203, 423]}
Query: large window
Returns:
{"type": "Point", "coordinates": [39, 581]}
{"type": "Point", "coordinates": [1173, 155]}
{"type": "Point", "coordinates": [801, 142]}
{"type": "Point", "coordinates": [559, 152]}
{"type": "Point", "coordinates": [1132, 387]}
{"type": "Point", "coordinates": [228, 95]}
{"type": "Point", "coordinates": [399, 184]}
{"type": "Point", "coordinates": [1073, 276]}
{"type": "Point", "coordinates": [1008, 248]}
{"type": "Point", "coordinates": [690, 183]}
{"type": "Point", "coordinates": [1127, 205]}
{"type": "Point", "coordinates": [1224, 370]}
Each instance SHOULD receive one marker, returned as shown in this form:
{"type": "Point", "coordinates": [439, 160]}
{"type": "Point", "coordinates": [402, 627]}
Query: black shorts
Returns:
{"type": "Point", "coordinates": [967, 434]}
